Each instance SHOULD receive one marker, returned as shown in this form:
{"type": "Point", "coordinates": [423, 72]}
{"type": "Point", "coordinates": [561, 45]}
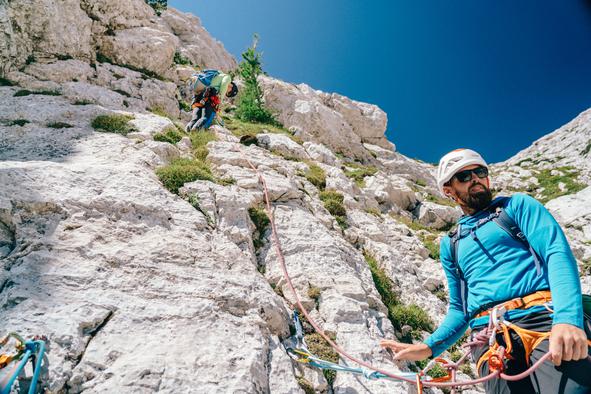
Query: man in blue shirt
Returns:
{"type": "Point", "coordinates": [536, 280]}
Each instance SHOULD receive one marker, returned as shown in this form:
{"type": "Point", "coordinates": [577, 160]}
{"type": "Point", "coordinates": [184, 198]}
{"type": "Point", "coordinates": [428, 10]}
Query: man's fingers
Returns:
{"type": "Point", "coordinates": [567, 348]}
{"type": "Point", "coordinates": [401, 354]}
{"type": "Point", "coordinates": [556, 350]}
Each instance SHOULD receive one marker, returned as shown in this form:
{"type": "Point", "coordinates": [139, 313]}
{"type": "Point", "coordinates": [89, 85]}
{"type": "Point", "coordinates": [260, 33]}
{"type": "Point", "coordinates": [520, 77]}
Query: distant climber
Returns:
{"type": "Point", "coordinates": [206, 87]}
{"type": "Point", "coordinates": [509, 262]}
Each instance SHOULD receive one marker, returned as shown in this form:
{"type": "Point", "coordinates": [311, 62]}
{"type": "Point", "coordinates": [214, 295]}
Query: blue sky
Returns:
{"type": "Point", "coordinates": [489, 75]}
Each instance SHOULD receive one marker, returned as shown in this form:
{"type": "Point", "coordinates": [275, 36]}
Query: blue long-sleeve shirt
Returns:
{"type": "Point", "coordinates": [497, 268]}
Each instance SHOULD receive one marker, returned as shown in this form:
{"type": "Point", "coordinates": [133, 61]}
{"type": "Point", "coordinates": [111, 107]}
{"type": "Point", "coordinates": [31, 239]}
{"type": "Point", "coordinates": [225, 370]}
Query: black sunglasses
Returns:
{"type": "Point", "coordinates": [466, 175]}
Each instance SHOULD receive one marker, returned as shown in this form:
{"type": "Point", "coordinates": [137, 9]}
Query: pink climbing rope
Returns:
{"type": "Point", "coordinates": [343, 353]}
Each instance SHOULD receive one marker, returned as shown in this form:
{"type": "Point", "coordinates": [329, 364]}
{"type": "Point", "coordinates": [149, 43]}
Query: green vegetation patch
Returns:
{"type": "Point", "coordinates": [400, 315]}
{"type": "Point", "coordinates": [181, 171]}
{"type": "Point", "coordinates": [199, 141]}
{"type": "Point", "coordinates": [440, 200]}
{"type": "Point", "coordinates": [25, 92]}
{"type": "Point", "coordinates": [333, 202]}
{"type": "Point", "coordinates": [170, 135]}
{"type": "Point", "coordinates": [436, 372]}
{"type": "Point", "coordinates": [587, 149]}
{"type": "Point", "coordinates": [83, 102]}
{"type": "Point", "coordinates": [180, 59]}
{"type": "Point", "coordinates": [261, 222]}
{"type": "Point", "coordinates": [316, 176]}
{"type": "Point", "coordinates": [17, 122]}
{"type": "Point", "coordinates": [115, 123]}
{"type": "Point", "coordinates": [550, 183]}
{"type": "Point", "coordinates": [359, 172]}
{"type": "Point", "coordinates": [240, 128]}
{"type": "Point", "coordinates": [305, 385]}
{"type": "Point", "coordinates": [320, 348]}
{"type": "Point", "coordinates": [59, 125]}
{"type": "Point", "coordinates": [184, 106]}
{"type": "Point", "coordinates": [314, 293]}
{"type": "Point", "coordinates": [5, 82]}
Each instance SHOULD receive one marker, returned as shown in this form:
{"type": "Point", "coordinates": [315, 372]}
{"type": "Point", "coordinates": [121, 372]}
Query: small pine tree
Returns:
{"type": "Point", "coordinates": [250, 105]}
{"type": "Point", "coordinates": [158, 5]}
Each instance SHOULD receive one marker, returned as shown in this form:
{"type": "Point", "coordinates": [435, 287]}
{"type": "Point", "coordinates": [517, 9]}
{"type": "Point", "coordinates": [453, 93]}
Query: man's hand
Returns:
{"type": "Point", "coordinates": [567, 343]}
{"type": "Point", "coordinates": [407, 351]}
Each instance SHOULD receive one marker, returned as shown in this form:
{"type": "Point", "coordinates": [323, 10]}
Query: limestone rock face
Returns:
{"type": "Point", "coordinates": [336, 121]}
{"type": "Point", "coordinates": [42, 28]}
{"type": "Point", "coordinates": [196, 43]}
{"type": "Point", "coordinates": [141, 47]}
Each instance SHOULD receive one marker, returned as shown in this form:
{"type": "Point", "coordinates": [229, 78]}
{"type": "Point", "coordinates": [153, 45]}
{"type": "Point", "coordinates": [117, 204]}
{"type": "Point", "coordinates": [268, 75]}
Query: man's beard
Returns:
{"type": "Point", "coordinates": [477, 199]}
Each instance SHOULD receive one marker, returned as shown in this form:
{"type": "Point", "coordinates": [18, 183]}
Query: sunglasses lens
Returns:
{"type": "Point", "coordinates": [481, 172]}
{"type": "Point", "coordinates": [464, 176]}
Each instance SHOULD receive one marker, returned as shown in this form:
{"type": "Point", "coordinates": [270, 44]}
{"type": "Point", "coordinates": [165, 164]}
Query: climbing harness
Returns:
{"type": "Point", "coordinates": [13, 364]}
{"type": "Point", "coordinates": [487, 336]}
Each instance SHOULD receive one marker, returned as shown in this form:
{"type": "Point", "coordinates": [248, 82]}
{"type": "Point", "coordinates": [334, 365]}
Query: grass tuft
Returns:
{"type": "Point", "coordinates": [5, 82]}
{"type": "Point", "coordinates": [59, 125]}
{"type": "Point", "coordinates": [400, 315]}
{"type": "Point", "coordinates": [333, 202]}
{"type": "Point", "coordinates": [550, 183]}
{"type": "Point", "coordinates": [359, 172]}
{"type": "Point", "coordinates": [316, 176]}
{"type": "Point", "coordinates": [18, 122]}
{"type": "Point", "coordinates": [170, 135]}
{"type": "Point", "coordinates": [25, 92]}
{"type": "Point", "coordinates": [181, 171]}
{"type": "Point", "coordinates": [115, 123]}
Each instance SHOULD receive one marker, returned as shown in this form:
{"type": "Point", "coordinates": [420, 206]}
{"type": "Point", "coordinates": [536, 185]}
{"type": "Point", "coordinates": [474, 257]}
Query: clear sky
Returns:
{"type": "Point", "coordinates": [489, 75]}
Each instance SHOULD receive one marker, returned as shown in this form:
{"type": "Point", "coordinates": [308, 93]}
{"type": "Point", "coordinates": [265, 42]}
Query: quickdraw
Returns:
{"type": "Point", "coordinates": [12, 364]}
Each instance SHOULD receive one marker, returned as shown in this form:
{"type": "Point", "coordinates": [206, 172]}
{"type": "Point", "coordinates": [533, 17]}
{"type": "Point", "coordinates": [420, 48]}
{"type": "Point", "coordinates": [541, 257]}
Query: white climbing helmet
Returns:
{"type": "Point", "coordinates": [453, 162]}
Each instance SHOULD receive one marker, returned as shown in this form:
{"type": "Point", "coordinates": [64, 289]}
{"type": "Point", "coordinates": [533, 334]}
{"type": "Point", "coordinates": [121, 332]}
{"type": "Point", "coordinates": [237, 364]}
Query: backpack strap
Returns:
{"type": "Point", "coordinates": [454, 238]}
{"type": "Point", "coordinates": [506, 222]}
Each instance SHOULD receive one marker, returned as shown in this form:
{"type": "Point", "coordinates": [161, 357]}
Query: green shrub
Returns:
{"type": "Point", "coordinates": [181, 171]}
{"type": "Point", "coordinates": [250, 103]}
{"type": "Point", "coordinates": [374, 211]}
{"type": "Point", "coordinates": [320, 348]}
{"type": "Point", "coordinates": [5, 82]}
{"type": "Point", "coordinates": [400, 315]}
{"type": "Point", "coordinates": [316, 176]}
{"type": "Point", "coordinates": [421, 182]}
{"type": "Point", "coordinates": [199, 141]}
{"type": "Point", "coordinates": [180, 59]}
{"type": "Point", "coordinates": [240, 128]}
{"type": "Point", "coordinates": [115, 123]}
{"type": "Point", "coordinates": [305, 385]}
{"type": "Point", "coordinates": [414, 316]}
{"type": "Point", "coordinates": [122, 92]}
{"type": "Point", "coordinates": [586, 267]}
{"type": "Point", "coordinates": [18, 122]}
{"type": "Point", "coordinates": [383, 283]}
{"type": "Point", "coordinates": [158, 5]}
{"type": "Point", "coordinates": [314, 293]}
{"type": "Point", "coordinates": [184, 106]}
{"type": "Point", "coordinates": [436, 372]}
{"type": "Point", "coordinates": [261, 222]}
{"type": "Point", "coordinates": [333, 202]}
{"type": "Point", "coordinates": [170, 135]}
{"type": "Point", "coordinates": [359, 172]}
{"type": "Point", "coordinates": [30, 59]}
{"type": "Point", "coordinates": [59, 125]}
{"type": "Point", "coordinates": [25, 92]}
{"type": "Point", "coordinates": [83, 102]}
